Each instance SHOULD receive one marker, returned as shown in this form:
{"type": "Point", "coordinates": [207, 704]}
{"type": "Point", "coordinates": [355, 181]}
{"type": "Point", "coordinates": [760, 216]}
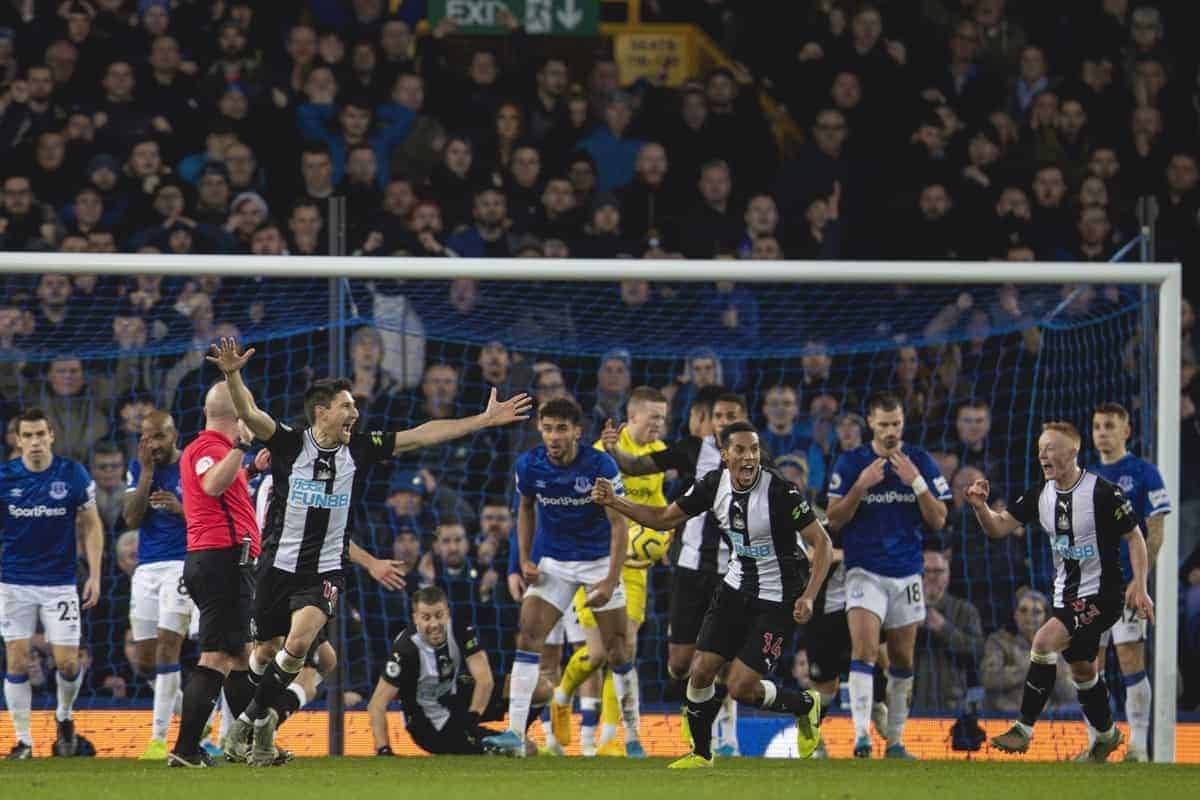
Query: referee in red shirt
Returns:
{"type": "Point", "coordinates": [222, 544]}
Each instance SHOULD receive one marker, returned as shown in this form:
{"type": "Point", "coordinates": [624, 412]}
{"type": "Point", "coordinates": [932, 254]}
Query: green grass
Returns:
{"type": "Point", "coordinates": [447, 778]}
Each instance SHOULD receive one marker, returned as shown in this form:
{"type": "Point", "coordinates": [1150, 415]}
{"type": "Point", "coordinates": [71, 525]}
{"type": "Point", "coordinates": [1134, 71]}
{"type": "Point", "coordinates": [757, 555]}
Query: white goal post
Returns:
{"type": "Point", "coordinates": [1165, 277]}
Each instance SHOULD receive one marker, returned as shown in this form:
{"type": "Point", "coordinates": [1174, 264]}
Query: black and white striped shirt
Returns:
{"type": "Point", "coordinates": [762, 527]}
{"type": "Point", "coordinates": [1085, 524]}
{"type": "Point", "coordinates": [313, 491]}
{"type": "Point", "coordinates": [427, 675]}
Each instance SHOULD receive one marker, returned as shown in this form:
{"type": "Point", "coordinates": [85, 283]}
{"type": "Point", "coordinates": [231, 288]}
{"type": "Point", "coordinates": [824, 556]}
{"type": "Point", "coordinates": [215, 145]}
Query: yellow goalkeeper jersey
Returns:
{"type": "Point", "coordinates": [644, 489]}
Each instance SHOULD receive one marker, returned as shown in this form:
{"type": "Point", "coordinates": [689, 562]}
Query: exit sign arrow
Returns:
{"type": "Point", "coordinates": [569, 16]}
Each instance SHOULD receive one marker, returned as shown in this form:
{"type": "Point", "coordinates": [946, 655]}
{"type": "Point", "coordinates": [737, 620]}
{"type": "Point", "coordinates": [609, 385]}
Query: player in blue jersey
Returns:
{"type": "Point", "coordinates": [582, 544]}
{"type": "Point", "coordinates": [47, 509]}
{"type": "Point", "coordinates": [882, 498]}
{"type": "Point", "coordinates": [1143, 486]}
{"type": "Point", "coordinates": [160, 608]}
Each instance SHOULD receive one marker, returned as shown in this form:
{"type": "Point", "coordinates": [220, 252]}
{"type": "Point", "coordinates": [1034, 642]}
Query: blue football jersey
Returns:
{"type": "Point", "coordinates": [37, 514]}
{"type": "Point", "coordinates": [163, 535]}
{"type": "Point", "coordinates": [570, 526]}
{"type": "Point", "coordinates": [885, 534]}
{"type": "Point", "coordinates": [1143, 487]}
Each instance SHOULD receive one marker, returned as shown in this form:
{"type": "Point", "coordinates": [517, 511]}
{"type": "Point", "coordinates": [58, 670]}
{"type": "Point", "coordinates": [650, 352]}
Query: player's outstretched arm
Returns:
{"type": "Point", "coordinates": [388, 573]}
{"type": "Point", "coordinates": [995, 524]}
{"type": "Point", "coordinates": [656, 517]}
{"type": "Point", "coordinates": [227, 358]}
{"type": "Point", "coordinates": [377, 712]}
{"type": "Point", "coordinates": [514, 409]}
{"type": "Point", "coordinates": [821, 558]}
{"type": "Point", "coordinates": [89, 532]}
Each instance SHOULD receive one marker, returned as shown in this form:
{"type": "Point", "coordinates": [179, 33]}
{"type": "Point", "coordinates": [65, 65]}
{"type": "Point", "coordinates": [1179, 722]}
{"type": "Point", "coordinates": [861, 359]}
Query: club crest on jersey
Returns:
{"type": "Point", "coordinates": [58, 490]}
{"type": "Point", "coordinates": [1126, 483]}
{"type": "Point", "coordinates": [738, 521]}
{"type": "Point", "coordinates": [1064, 522]}
{"type": "Point", "coordinates": [583, 484]}
{"type": "Point", "coordinates": [445, 667]}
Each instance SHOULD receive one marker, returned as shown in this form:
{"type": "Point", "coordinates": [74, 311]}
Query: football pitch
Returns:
{"type": "Point", "coordinates": [607, 778]}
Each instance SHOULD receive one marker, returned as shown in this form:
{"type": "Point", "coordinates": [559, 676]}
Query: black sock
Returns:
{"type": "Point", "coordinates": [789, 701]}
{"type": "Point", "coordinates": [1094, 702]}
{"type": "Point", "coordinates": [199, 697]}
{"type": "Point", "coordinates": [239, 691]}
{"type": "Point", "coordinates": [270, 690]}
{"type": "Point", "coordinates": [880, 685]}
{"type": "Point", "coordinates": [288, 704]}
{"type": "Point", "coordinates": [700, 721]}
{"type": "Point", "coordinates": [1039, 683]}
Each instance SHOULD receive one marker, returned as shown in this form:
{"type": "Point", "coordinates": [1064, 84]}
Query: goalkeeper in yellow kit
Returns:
{"type": "Point", "coordinates": [647, 415]}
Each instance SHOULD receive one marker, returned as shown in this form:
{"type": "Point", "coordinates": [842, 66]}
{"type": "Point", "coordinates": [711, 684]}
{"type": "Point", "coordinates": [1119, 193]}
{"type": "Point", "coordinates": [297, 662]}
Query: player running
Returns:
{"type": "Point", "coordinates": [443, 707]}
{"type": "Point", "coordinates": [701, 554]}
{"type": "Point", "coordinates": [318, 473]}
{"type": "Point", "coordinates": [47, 510]}
{"type": "Point", "coordinates": [582, 545]}
{"type": "Point", "coordinates": [1086, 518]}
{"type": "Point", "coordinates": [881, 496]}
{"type": "Point", "coordinates": [160, 609]}
{"type": "Point", "coordinates": [647, 415]}
{"type": "Point", "coordinates": [1143, 486]}
{"type": "Point", "coordinates": [765, 591]}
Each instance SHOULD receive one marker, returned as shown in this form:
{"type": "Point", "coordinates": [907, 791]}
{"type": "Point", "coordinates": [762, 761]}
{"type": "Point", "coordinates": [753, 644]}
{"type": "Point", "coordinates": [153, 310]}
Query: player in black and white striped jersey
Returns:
{"type": "Point", "coordinates": [1085, 517]}
{"type": "Point", "coordinates": [766, 590]}
{"type": "Point", "coordinates": [317, 474]}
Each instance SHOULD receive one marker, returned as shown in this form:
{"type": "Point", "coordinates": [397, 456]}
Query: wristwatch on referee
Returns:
{"type": "Point", "coordinates": [244, 447]}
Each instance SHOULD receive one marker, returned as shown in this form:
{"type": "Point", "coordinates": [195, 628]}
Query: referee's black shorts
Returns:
{"type": "Point", "coordinates": [223, 591]}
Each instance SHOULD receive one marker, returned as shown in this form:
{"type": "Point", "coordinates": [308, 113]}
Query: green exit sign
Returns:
{"type": "Point", "coordinates": [537, 17]}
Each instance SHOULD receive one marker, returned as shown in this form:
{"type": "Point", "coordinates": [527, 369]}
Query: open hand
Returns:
{"type": "Point", "coordinates": [227, 358]}
{"type": "Point", "coordinates": [514, 409]}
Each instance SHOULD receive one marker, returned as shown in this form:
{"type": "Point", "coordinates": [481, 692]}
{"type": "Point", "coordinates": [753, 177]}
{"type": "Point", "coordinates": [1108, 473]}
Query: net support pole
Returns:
{"type": "Point", "coordinates": [1166, 576]}
{"type": "Point", "coordinates": [335, 690]}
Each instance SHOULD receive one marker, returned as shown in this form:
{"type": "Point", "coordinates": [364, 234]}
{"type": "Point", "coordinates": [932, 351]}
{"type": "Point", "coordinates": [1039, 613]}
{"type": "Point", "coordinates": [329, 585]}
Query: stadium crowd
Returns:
{"type": "Point", "coordinates": [975, 129]}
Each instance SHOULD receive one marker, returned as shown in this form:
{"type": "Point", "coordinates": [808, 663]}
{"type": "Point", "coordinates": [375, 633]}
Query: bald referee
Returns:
{"type": "Point", "coordinates": [222, 545]}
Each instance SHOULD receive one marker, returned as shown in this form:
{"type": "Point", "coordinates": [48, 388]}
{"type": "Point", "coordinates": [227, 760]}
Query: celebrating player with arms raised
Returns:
{"type": "Point", "coordinates": [317, 476]}
{"type": "Point", "coordinates": [765, 591]}
{"type": "Point", "coordinates": [1086, 517]}
{"type": "Point", "coordinates": [881, 495]}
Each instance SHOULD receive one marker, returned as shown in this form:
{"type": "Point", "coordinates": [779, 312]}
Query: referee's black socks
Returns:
{"type": "Point", "coordinates": [239, 691]}
{"type": "Point", "coordinates": [199, 698]}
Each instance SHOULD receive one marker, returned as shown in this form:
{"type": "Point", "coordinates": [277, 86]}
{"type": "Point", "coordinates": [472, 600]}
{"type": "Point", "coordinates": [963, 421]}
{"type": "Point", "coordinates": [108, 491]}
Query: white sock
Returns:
{"type": "Point", "coordinates": [727, 719]}
{"type": "Point", "coordinates": [298, 690]}
{"type": "Point", "coordinates": [1137, 710]}
{"type": "Point", "coordinates": [226, 717]}
{"type": "Point", "coordinates": [166, 686]}
{"type": "Point", "coordinates": [560, 697]}
{"type": "Point", "coordinates": [862, 691]}
{"type": "Point", "coordinates": [548, 732]}
{"type": "Point", "coordinates": [590, 710]}
{"type": "Point", "coordinates": [1091, 733]}
{"type": "Point", "coordinates": [68, 690]}
{"type": "Point", "coordinates": [520, 690]}
{"type": "Point", "coordinates": [628, 691]}
{"type": "Point", "coordinates": [899, 695]}
{"type": "Point", "coordinates": [18, 697]}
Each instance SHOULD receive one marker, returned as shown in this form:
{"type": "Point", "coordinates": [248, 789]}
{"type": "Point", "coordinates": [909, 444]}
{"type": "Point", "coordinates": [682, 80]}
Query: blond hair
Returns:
{"type": "Point", "coordinates": [1066, 429]}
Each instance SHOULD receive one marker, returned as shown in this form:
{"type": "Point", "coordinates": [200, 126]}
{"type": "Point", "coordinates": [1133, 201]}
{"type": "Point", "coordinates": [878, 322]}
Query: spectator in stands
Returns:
{"type": "Point", "coordinates": [652, 202]}
{"type": "Point", "coordinates": [488, 237]}
{"type": "Point", "coordinates": [493, 543]}
{"type": "Point", "coordinates": [714, 225]}
{"type": "Point", "coordinates": [783, 434]}
{"type": "Point", "coordinates": [613, 379]}
{"type": "Point", "coordinates": [1006, 659]}
{"type": "Point", "coordinates": [78, 415]}
{"type": "Point", "coordinates": [372, 385]}
{"type": "Point", "coordinates": [353, 124]}
{"type": "Point", "coordinates": [615, 154]}
{"type": "Point", "coordinates": [972, 425]}
{"type": "Point", "coordinates": [449, 565]}
{"type": "Point", "coordinates": [558, 215]}
{"type": "Point", "coordinates": [949, 642]}
{"type": "Point", "coordinates": [108, 471]}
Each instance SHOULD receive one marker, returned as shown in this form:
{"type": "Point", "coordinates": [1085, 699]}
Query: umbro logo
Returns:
{"type": "Point", "coordinates": [15, 491]}
{"type": "Point", "coordinates": [540, 484]}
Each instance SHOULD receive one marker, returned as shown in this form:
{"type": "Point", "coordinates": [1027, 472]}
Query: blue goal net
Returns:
{"type": "Point", "coordinates": [978, 369]}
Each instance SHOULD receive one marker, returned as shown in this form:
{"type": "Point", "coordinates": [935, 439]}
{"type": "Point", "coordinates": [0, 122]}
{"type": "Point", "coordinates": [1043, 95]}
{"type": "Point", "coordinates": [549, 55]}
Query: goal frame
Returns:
{"type": "Point", "coordinates": [1165, 277]}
